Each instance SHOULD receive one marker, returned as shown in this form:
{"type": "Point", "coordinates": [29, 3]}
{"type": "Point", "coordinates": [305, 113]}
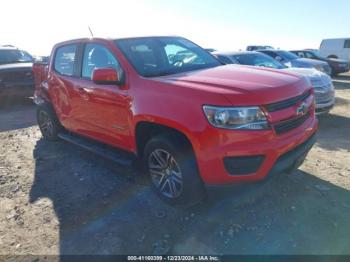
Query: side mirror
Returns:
{"type": "Point", "coordinates": [105, 76]}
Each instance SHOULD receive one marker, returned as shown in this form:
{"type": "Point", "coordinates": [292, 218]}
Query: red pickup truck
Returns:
{"type": "Point", "coordinates": [166, 101]}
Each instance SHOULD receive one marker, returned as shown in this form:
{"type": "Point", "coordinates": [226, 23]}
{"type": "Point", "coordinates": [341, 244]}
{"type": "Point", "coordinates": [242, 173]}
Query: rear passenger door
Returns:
{"type": "Point", "coordinates": [107, 107]}
{"type": "Point", "coordinates": [62, 78]}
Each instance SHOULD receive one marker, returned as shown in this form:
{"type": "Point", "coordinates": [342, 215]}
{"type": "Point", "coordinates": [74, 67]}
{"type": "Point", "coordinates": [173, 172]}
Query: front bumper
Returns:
{"type": "Point", "coordinates": [325, 105]}
{"type": "Point", "coordinates": [339, 69]}
{"type": "Point", "coordinates": [294, 158]}
{"type": "Point", "coordinates": [274, 149]}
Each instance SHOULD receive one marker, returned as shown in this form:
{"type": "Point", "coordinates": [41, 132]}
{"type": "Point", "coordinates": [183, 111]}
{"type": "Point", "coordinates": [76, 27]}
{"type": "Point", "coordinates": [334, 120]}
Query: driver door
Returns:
{"type": "Point", "coordinates": [107, 106]}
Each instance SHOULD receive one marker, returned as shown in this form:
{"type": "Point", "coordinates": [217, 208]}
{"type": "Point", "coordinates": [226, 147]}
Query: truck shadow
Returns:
{"type": "Point", "coordinates": [17, 116]}
{"type": "Point", "coordinates": [100, 211]}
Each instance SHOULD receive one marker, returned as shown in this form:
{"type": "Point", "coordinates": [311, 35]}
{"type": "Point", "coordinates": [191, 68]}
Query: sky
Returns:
{"type": "Point", "coordinates": [227, 25]}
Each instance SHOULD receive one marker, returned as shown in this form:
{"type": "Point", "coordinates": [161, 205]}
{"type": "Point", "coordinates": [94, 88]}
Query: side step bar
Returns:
{"type": "Point", "coordinates": [116, 155]}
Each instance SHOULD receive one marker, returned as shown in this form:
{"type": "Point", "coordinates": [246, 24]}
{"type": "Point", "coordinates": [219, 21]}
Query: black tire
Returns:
{"type": "Point", "coordinates": [48, 122]}
{"type": "Point", "coordinates": [192, 188]}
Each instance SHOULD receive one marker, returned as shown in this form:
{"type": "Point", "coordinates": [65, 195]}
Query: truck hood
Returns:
{"type": "Point", "coordinates": [15, 66]}
{"type": "Point", "coordinates": [242, 85]}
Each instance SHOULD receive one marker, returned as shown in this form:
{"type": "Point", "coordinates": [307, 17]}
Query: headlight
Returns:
{"type": "Point", "coordinates": [251, 118]}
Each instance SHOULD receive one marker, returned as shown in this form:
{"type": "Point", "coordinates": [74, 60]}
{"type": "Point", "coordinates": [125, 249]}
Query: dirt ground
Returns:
{"type": "Point", "coordinates": [58, 199]}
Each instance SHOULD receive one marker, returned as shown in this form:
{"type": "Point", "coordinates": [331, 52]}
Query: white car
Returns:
{"type": "Point", "coordinates": [335, 48]}
{"type": "Point", "coordinates": [321, 82]}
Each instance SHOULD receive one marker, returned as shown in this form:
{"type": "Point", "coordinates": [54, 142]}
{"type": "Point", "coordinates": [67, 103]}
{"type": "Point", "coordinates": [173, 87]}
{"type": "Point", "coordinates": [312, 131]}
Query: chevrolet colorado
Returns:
{"type": "Point", "coordinates": [166, 101]}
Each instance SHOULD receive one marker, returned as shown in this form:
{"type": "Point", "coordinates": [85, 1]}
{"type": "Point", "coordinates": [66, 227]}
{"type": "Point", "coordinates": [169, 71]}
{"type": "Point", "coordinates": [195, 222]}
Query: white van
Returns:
{"type": "Point", "coordinates": [336, 48]}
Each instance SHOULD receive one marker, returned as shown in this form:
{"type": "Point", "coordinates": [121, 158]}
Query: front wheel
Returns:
{"type": "Point", "coordinates": [173, 171]}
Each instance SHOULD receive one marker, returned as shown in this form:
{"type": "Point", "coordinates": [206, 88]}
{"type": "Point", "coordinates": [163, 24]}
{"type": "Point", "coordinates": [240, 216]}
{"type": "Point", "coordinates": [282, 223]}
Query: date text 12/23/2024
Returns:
{"type": "Point", "coordinates": [173, 258]}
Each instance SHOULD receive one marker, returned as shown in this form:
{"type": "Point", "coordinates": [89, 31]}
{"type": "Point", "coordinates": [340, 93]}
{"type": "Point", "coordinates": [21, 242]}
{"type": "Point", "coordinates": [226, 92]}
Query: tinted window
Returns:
{"type": "Point", "coordinates": [287, 55]}
{"type": "Point", "coordinates": [310, 55]}
{"type": "Point", "coordinates": [98, 56]}
{"type": "Point", "coordinates": [225, 59]}
{"type": "Point", "coordinates": [155, 56]}
{"type": "Point", "coordinates": [347, 43]}
{"type": "Point", "coordinates": [65, 59]}
{"type": "Point", "coordinates": [301, 54]}
{"type": "Point", "coordinates": [269, 53]}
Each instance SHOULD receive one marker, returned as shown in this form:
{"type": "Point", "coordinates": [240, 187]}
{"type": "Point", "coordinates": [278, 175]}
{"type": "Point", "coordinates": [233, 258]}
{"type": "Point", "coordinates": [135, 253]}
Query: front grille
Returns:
{"type": "Point", "coordinates": [17, 76]}
{"type": "Point", "coordinates": [290, 124]}
{"type": "Point", "coordinates": [287, 103]}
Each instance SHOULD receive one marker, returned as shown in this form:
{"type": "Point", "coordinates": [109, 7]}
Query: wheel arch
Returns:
{"type": "Point", "coordinates": [145, 130]}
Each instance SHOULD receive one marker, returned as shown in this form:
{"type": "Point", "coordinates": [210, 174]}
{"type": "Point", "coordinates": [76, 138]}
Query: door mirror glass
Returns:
{"type": "Point", "coordinates": [105, 76]}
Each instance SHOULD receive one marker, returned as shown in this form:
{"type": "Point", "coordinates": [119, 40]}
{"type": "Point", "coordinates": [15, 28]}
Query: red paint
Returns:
{"type": "Point", "coordinates": [110, 113]}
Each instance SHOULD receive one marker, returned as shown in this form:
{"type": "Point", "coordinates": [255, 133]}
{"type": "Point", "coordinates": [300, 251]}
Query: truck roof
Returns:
{"type": "Point", "coordinates": [111, 38]}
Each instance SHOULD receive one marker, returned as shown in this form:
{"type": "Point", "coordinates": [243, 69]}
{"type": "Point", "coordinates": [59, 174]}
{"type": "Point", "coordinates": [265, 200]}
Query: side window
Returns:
{"type": "Point", "coordinates": [347, 43]}
{"type": "Point", "coordinates": [269, 53]}
{"type": "Point", "coordinates": [98, 56]}
{"type": "Point", "coordinates": [310, 55]}
{"type": "Point", "coordinates": [65, 59]}
{"type": "Point", "coordinates": [224, 59]}
{"type": "Point", "coordinates": [302, 55]}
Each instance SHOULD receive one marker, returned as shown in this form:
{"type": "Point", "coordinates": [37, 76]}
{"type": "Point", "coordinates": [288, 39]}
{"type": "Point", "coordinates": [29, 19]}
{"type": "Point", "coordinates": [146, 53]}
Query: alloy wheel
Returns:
{"type": "Point", "coordinates": [165, 173]}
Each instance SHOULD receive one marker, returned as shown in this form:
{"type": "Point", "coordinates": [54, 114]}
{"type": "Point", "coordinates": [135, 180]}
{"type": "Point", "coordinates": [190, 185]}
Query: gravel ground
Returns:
{"type": "Point", "coordinates": [58, 199]}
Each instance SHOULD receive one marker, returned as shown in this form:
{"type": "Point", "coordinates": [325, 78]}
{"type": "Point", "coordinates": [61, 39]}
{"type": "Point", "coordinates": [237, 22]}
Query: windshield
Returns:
{"type": "Point", "coordinates": [258, 60]}
{"type": "Point", "coordinates": [8, 56]}
{"type": "Point", "coordinates": [287, 55]}
{"type": "Point", "coordinates": [157, 56]}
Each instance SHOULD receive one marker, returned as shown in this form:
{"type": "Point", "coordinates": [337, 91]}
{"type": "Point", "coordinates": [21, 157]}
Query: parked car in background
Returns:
{"type": "Point", "coordinates": [336, 48]}
{"type": "Point", "coordinates": [16, 75]}
{"type": "Point", "coordinates": [321, 82]}
{"type": "Point", "coordinates": [337, 65]}
{"type": "Point", "coordinates": [257, 47]}
{"type": "Point", "coordinates": [192, 121]}
{"type": "Point", "coordinates": [291, 60]}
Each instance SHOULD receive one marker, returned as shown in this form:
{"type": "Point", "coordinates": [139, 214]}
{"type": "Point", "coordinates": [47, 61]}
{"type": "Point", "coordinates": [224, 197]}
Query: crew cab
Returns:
{"type": "Point", "coordinates": [170, 104]}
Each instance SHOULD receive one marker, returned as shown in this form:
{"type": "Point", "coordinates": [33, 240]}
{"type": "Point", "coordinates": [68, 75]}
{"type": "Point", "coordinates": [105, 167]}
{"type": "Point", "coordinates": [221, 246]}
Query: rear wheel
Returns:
{"type": "Point", "coordinates": [173, 171]}
{"type": "Point", "coordinates": [48, 122]}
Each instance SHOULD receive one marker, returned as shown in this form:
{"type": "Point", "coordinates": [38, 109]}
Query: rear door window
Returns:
{"type": "Point", "coordinates": [65, 60]}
